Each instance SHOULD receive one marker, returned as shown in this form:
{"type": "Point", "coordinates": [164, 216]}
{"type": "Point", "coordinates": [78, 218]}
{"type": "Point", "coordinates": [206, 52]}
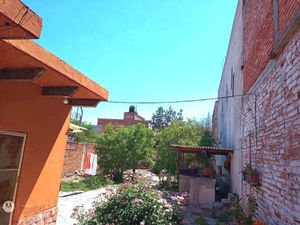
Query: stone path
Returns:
{"type": "Point", "coordinates": [68, 201]}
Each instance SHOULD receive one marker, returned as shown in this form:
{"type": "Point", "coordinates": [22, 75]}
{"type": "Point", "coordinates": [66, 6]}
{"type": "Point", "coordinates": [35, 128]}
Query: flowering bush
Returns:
{"type": "Point", "coordinates": [136, 205]}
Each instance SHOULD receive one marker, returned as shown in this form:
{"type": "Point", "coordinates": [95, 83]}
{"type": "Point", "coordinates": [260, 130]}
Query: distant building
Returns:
{"type": "Point", "coordinates": [130, 118]}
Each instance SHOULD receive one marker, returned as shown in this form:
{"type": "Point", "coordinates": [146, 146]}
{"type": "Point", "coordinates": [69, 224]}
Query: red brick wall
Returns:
{"type": "Point", "coordinates": [47, 217]}
{"type": "Point", "coordinates": [258, 38]}
{"type": "Point", "coordinates": [73, 157]}
{"type": "Point", "coordinates": [286, 10]}
{"type": "Point", "coordinates": [259, 34]}
{"type": "Point", "coordinates": [274, 149]}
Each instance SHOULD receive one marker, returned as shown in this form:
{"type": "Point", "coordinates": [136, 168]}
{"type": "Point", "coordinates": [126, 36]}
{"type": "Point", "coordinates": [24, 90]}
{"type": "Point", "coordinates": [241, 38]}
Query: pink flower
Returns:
{"type": "Point", "coordinates": [185, 221]}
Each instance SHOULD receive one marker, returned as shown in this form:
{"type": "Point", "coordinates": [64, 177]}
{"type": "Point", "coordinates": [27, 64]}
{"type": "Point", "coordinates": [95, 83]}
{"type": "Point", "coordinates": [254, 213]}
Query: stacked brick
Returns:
{"type": "Point", "coordinates": [74, 156]}
{"type": "Point", "coordinates": [258, 39]}
{"type": "Point", "coordinates": [47, 217]}
{"type": "Point", "coordinates": [286, 12]}
{"type": "Point", "coordinates": [271, 114]}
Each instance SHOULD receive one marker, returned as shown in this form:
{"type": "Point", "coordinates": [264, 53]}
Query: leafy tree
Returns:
{"type": "Point", "coordinates": [207, 139]}
{"type": "Point", "coordinates": [163, 118]}
{"type": "Point", "coordinates": [179, 132]}
{"type": "Point", "coordinates": [123, 148]}
{"type": "Point", "coordinates": [88, 136]}
{"type": "Point", "coordinates": [206, 122]}
{"type": "Point", "coordinates": [140, 142]}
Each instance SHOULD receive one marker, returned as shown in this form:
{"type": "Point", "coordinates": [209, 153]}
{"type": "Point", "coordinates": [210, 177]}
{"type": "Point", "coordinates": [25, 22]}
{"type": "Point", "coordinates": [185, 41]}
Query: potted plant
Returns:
{"type": "Point", "coordinates": [254, 177]}
{"type": "Point", "coordinates": [258, 222]}
{"type": "Point", "coordinates": [250, 175]}
{"type": "Point", "coordinates": [207, 170]}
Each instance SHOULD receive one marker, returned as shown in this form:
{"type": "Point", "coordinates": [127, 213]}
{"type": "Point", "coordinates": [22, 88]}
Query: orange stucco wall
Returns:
{"type": "Point", "coordinates": [45, 120]}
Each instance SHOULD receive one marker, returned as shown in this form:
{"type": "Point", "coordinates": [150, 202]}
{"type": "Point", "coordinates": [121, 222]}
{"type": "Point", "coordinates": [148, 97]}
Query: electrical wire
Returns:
{"type": "Point", "coordinates": [176, 101]}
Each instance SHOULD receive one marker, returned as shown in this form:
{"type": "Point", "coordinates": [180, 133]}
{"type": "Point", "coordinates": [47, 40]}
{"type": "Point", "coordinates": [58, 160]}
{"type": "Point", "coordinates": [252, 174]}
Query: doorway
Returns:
{"type": "Point", "coordinates": [11, 152]}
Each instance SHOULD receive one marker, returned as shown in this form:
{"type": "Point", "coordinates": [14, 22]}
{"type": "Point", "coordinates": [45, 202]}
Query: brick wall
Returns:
{"type": "Point", "coordinates": [47, 217]}
{"type": "Point", "coordinates": [286, 10]}
{"type": "Point", "coordinates": [259, 36]}
{"type": "Point", "coordinates": [275, 148]}
{"type": "Point", "coordinates": [73, 156]}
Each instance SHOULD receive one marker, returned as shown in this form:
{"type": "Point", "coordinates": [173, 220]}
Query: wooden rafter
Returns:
{"type": "Point", "coordinates": [21, 74]}
{"type": "Point", "coordinates": [66, 91]}
{"type": "Point", "coordinates": [83, 102]}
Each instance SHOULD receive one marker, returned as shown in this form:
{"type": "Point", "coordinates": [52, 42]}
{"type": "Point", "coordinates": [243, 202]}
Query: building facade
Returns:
{"type": "Point", "coordinates": [37, 92]}
{"type": "Point", "coordinates": [229, 108]}
{"type": "Point", "coordinates": [130, 118]}
{"type": "Point", "coordinates": [269, 111]}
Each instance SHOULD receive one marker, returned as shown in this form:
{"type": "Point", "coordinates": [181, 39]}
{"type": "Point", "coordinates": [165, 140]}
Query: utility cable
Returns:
{"type": "Point", "coordinates": [175, 101]}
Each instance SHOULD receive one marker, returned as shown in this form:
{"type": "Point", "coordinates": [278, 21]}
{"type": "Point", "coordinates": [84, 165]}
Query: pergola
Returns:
{"type": "Point", "coordinates": [205, 150]}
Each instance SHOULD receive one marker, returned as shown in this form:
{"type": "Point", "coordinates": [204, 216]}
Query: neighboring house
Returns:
{"type": "Point", "coordinates": [268, 136]}
{"type": "Point", "coordinates": [37, 92]}
{"type": "Point", "coordinates": [130, 118]}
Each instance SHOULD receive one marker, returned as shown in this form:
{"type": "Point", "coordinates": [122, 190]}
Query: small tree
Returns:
{"type": "Point", "coordinates": [123, 148]}
{"type": "Point", "coordinates": [163, 118]}
{"type": "Point", "coordinates": [140, 142]}
{"type": "Point", "coordinates": [179, 132]}
{"type": "Point", "coordinates": [207, 139]}
{"type": "Point", "coordinates": [88, 136]}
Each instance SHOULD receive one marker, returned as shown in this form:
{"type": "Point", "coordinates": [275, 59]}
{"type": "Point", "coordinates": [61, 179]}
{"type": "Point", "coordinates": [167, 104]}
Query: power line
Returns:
{"type": "Point", "coordinates": [176, 101]}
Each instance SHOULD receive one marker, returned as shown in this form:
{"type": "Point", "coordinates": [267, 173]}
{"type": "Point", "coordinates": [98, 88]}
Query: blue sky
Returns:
{"type": "Point", "coordinates": [142, 50]}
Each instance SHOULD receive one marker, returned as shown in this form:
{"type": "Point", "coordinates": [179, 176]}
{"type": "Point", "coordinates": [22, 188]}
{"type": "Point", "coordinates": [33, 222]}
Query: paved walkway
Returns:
{"type": "Point", "coordinates": [67, 202]}
{"type": "Point", "coordinates": [85, 200]}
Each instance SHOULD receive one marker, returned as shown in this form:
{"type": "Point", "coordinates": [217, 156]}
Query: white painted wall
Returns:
{"type": "Point", "coordinates": [229, 110]}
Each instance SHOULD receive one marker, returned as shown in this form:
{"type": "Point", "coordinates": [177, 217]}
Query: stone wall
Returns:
{"type": "Point", "coordinates": [47, 217]}
{"type": "Point", "coordinates": [74, 157]}
{"type": "Point", "coordinates": [271, 137]}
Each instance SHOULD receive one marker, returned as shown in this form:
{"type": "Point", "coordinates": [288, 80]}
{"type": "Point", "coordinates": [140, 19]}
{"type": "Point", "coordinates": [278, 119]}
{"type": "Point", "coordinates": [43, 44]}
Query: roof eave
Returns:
{"type": "Point", "coordinates": [19, 22]}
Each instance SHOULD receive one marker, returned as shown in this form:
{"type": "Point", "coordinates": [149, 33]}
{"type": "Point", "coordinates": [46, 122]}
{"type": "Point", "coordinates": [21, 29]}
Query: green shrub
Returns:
{"type": "Point", "coordinates": [91, 183]}
{"type": "Point", "coordinates": [133, 205]}
{"type": "Point", "coordinates": [224, 217]}
{"type": "Point", "coordinates": [74, 186]}
{"type": "Point", "coordinates": [201, 221]}
{"type": "Point", "coordinates": [95, 182]}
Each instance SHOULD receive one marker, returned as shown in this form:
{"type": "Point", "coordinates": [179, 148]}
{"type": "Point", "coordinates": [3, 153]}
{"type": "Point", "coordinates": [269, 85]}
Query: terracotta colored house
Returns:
{"type": "Point", "coordinates": [263, 125]}
{"type": "Point", "coordinates": [37, 92]}
{"type": "Point", "coordinates": [130, 118]}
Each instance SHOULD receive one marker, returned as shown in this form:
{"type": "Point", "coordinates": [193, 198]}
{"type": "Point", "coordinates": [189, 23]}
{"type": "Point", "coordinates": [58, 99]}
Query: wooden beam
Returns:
{"type": "Point", "coordinates": [66, 91]}
{"type": "Point", "coordinates": [83, 102]}
{"type": "Point", "coordinates": [19, 21]}
{"type": "Point", "coordinates": [21, 74]}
